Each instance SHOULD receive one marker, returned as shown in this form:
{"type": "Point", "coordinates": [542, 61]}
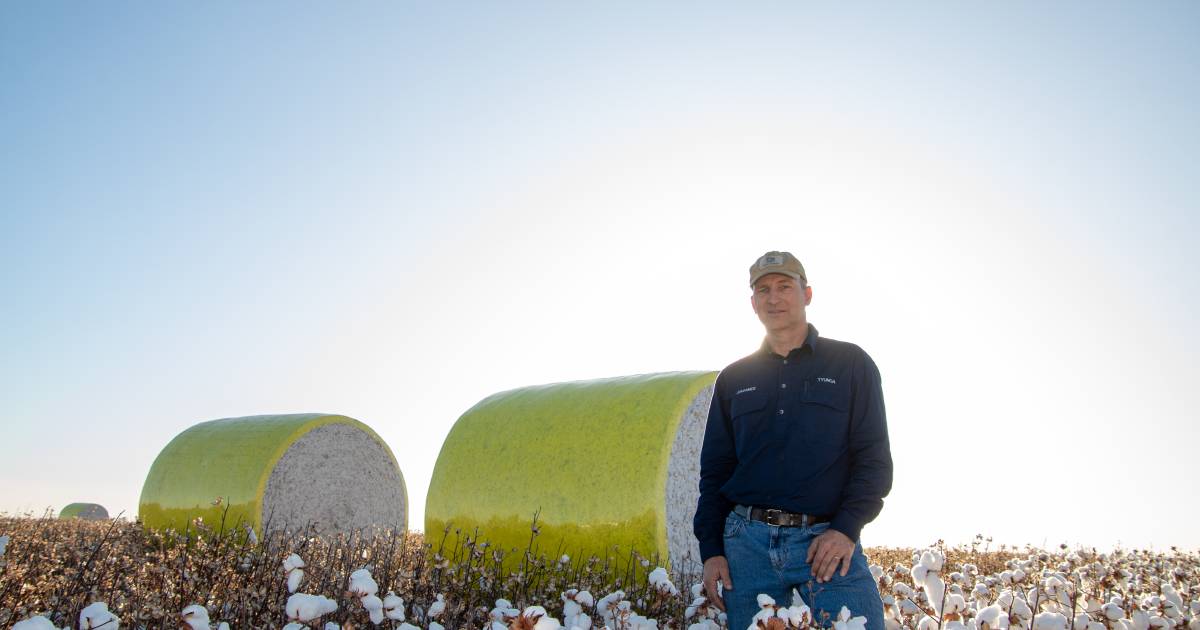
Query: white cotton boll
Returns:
{"type": "Point", "coordinates": [393, 607]}
{"type": "Point", "coordinates": [1160, 623]}
{"type": "Point", "coordinates": [362, 584]}
{"type": "Point", "coordinates": [846, 622]}
{"type": "Point", "coordinates": [876, 571]}
{"type": "Point", "coordinates": [991, 618]}
{"type": "Point", "coordinates": [927, 623]}
{"type": "Point", "coordinates": [433, 625]}
{"type": "Point", "coordinates": [585, 599]}
{"type": "Point", "coordinates": [1050, 621]}
{"type": "Point", "coordinates": [407, 626]}
{"type": "Point", "coordinates": [1113, 611]}
{"type": "Point", "coordinates": [918, 573]}
{"type": "Point", "coordinates": [766, 601]}
{"type": "Point", "coordinates": [935, 589]}
{"type": "Point", "coordinates": [33, 623]}
{"type": "Point", "coordinates": [295, 626]}
{"type": "Point", "coordinates": [196, 617]}
{"type": "Point", "coordinates": [1096, 625]}
{"type": "Point", "coordinates": [797, 616]}
{"type": "Point", "coordinates": [374, 607]}
{"type": "Point", "coordinates": [955, 604]}
{"type": "Point", "coordinates": [662, 582]}
{"type": "Point", "coordinates": [1006, 577]}
{"type": "Point", "coordinates": [1140, 619]}
{"type": "Point", "coordinates": [97, 615]}
{"type": "Point", "coordinates": [295, 576]}
{"type": "Point", "coordinates": [902, 589]}
{"type": "Point", "coordinates": [303, 607]}
{"type": "Point", "coordinates": [292, 562]}
{"type": "Point", "coordinates": [909, 607]}
{"type": "Point", "coordinates": [329, 625]}
{"type": "Point", "coordinates": [957, 578]}
{"type": "Point", "coordinates": [933, 559]}
{"type": "Point", "coordinates": [438, 607]}
{"type": "Point", "coordinates": [534, 615]}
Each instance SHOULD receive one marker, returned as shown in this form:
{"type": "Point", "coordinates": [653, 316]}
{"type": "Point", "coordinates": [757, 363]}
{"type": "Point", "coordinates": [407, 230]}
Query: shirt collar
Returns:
{"type": "Point", "coordinates": [811, 341]}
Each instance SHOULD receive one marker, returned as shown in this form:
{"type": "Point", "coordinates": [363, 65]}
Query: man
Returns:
{"type": "Point", "coordinates": [795, 461]}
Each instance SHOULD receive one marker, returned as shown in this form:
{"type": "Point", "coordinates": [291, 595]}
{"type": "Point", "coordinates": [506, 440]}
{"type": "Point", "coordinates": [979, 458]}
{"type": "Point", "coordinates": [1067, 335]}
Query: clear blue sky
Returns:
{"type": "Point", "coordinates": [392, 210]}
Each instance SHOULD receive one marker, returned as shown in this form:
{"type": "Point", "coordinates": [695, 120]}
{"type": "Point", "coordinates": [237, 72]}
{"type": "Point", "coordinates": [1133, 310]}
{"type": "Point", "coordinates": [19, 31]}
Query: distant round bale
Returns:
{"type": "Point", "coordinates": [86, 511]}
{"type": "Point", "coordinates": [604, 463]}
{"type": "Point", "coordinates": [278, 473]}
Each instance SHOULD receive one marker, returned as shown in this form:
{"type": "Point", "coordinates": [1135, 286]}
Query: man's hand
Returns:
{"type": "Point", "coordinates": [716, 568]}
{"type": "Point", "coordinates": [825, 553]}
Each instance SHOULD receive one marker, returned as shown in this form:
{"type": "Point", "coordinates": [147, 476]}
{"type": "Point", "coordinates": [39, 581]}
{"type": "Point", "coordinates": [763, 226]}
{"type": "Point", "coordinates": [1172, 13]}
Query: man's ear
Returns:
{"type": "Point", "coordinates": [807, 295]}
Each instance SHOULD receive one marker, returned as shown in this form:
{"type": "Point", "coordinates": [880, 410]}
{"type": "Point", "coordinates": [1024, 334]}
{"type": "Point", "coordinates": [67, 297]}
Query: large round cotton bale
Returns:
{"type": "Point", "coordinates": [277, 473]}
{"type": "Point", "coordinates": [604, 463]}
{"type": "Point", "coordinates": [86, 511]}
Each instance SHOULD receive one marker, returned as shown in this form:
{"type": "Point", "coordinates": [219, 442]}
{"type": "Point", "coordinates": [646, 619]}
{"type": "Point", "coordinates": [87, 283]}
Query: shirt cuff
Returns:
{"type": "Point", "coordinates": [846, 524]}
{"type": "Point", "coordinates": [710, 548]}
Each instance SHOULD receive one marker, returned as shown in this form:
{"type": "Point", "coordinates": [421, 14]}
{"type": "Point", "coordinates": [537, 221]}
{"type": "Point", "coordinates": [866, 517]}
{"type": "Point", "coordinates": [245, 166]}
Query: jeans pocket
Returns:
{"type": "Point", "coordinates": [734, 524]}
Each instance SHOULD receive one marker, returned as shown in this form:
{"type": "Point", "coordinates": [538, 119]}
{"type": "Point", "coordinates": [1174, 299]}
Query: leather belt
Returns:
{"type": "Point", "coordinates": [779, 517]}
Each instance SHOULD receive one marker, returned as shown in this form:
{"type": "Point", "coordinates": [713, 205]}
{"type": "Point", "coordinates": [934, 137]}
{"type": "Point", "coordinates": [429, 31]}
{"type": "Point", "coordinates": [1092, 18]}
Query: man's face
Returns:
{"type": "Point", "coordinates": [779, 302]}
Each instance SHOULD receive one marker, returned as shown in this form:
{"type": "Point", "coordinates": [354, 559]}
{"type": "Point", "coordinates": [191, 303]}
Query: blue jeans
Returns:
{"type": "Point", "coordinates": [772, 560]}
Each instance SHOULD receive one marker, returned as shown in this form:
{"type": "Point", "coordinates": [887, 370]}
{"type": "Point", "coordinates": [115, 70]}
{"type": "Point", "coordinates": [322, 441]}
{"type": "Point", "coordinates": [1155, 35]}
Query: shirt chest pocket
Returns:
{"type": "Point", "coordinates": [825, 414]}
{"type": "Point", "coordinates": [747, 405]}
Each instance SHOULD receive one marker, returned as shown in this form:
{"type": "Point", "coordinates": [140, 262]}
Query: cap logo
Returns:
{"type": "Point", "coordinates": [770, 260]}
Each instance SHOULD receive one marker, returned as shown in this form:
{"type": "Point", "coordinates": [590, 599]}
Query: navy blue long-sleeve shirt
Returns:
{"type": "Point", "coordinates": [802, 433]}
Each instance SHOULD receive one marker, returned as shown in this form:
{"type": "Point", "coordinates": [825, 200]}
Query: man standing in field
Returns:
{"type": "Point", "coordinates": [795, 462]}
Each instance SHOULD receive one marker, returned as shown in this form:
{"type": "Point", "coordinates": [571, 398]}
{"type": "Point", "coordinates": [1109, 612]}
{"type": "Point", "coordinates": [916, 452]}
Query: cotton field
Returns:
{"type": "Point", "coordinates": [113, 574]}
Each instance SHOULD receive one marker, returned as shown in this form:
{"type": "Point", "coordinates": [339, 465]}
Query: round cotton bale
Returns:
{"type": "Point", "coordinates": [604, 463]}
{"type": "Point", "coordinates": [86, 511]}
{"type": "Point", "coordinates": [278, 473]}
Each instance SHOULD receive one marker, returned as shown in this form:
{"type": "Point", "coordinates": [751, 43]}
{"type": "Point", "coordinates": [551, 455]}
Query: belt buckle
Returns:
{"type": "Point", "coordinates": [771, 514]}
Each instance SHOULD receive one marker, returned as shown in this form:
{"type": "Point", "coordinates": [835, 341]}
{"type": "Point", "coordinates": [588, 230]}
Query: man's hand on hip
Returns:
{"type": "Point", "coordinates": [825, 553]}
{"type": "Point", "coordinates": [716, 569]}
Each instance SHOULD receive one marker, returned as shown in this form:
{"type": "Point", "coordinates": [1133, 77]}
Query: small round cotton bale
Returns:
{"type": "Point", "coordinates": [86, 511]}
{"type": "Point", "coordinates": [283, 472]}
{"type": "Point", "coordinates": [602, 463]}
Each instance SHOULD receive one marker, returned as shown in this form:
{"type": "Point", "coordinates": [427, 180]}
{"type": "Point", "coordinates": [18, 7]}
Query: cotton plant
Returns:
{"type": "Point", "coordinates": [363, 586]}
{"type": "Point", "coordinates": [926, 573]}
{"type": "Point", "coordinates": [574, 603]}
{"type": "Point", "coordinates": [535, 618]}
{"type": "Point", "coordinates": [772, 616]}
{"type": "Point", "coordinates": [301, 607]}
{"type": "Point", "coordinates": [707, 615]}
{"type": "Point", "coordinates": [37, 623]}
{"type": "Point", "coordinates": [661, 582]}
{"type": "Point", "coordinates": [393, 607]}
{"type": "Point", "coordinates": [607, 607]}
{"type": "Point", "coordinates": [96, 615]}
{"type": "Point", "coordinates": [293, 567]}
{"type": "Point", "coordinates": [195, 617]}
{"type": "Point", "coordinates": [502, 615]}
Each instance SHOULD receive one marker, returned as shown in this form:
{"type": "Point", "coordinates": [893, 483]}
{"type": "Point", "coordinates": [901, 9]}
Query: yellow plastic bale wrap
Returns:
{"type": "Point", "coordinates": [86, 511]}
{"type": "Point", "coordinates": [605, 463]}
{"type": "Point", "coordinates": [282, 472]}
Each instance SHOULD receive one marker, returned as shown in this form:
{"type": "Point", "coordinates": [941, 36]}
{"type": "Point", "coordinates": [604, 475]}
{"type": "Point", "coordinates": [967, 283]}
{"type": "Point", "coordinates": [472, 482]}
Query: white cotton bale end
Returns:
{"type": "Point", "coordinates": [609, 462]}
{"type": "Point", "coordinates": [277, 473]}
